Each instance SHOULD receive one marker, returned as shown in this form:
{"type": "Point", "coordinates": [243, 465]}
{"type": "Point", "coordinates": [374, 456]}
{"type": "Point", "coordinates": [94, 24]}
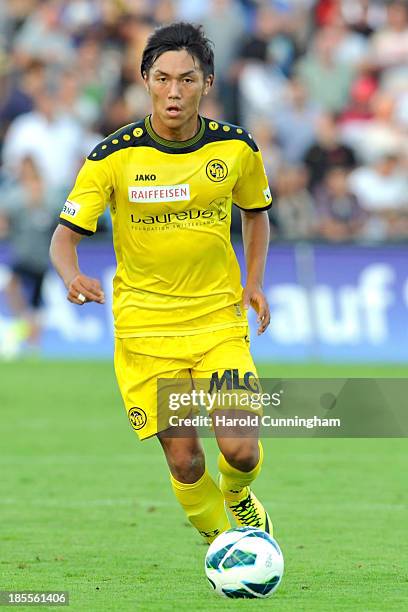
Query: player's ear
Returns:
{"type": "Point", "coordinates": [146, 81]}
{"type": "Point", "coordinates": [208, 84]}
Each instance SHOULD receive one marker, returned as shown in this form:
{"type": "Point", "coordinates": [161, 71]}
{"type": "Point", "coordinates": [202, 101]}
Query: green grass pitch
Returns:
{"type": "Point", "coordinates": [87, 508]}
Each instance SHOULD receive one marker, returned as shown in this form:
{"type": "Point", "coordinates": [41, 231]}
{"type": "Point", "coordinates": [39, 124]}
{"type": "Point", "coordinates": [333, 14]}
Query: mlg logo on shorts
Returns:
{"type": "Point", "coordinates": [230, 381]}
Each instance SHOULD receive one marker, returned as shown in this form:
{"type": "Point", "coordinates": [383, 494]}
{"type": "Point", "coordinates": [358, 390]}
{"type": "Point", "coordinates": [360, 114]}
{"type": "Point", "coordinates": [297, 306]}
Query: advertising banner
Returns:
{"type": "Point", "coordinates": [333, 303]}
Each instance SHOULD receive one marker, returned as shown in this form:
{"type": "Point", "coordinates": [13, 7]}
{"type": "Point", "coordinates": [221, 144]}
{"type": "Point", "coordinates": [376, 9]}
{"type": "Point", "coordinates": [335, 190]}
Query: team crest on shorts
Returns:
{"type": "Point", "coordinates": [137, 418]}
{"type": "Point", "coordinates": [216, 170]}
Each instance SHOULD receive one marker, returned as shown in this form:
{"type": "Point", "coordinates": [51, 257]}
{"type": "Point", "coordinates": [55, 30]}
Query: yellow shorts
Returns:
{"type": "Point", "coordinates": [140, 362]}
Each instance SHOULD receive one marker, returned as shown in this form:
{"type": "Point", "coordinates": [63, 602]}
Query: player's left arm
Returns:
{"type": "Point", "coordinates": [255, 233]}
{"type": "Point", "coordinates": [252, 195]}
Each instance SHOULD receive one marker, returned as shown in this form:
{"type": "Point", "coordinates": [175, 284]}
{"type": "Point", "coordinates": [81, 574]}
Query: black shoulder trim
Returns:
{"type": "Point", "coordinates": [136, 134]}
{"type": "Point", "coordinates": [220, 130]}
{"type": "Point", "coordinates": [131, 135]}
{"type": "Point", "coordinates": [75, 228]}
{"type": "Point", "coordinates": [254, 209]}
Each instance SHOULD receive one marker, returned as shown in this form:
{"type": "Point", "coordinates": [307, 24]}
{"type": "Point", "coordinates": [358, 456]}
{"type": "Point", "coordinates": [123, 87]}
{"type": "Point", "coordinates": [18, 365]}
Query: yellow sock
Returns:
{"type": "Point", "coordinates": [203, 503]}
{"type": "Point", "coordinates": [233, 481]}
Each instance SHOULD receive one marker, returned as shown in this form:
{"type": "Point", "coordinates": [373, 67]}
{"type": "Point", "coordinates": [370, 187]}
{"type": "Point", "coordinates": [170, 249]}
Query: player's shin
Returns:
{"type": "Point", "coordinates": [245, 507]}
{"type": "Point", "coordinates": [203, 504]}
{"type": "Point", "coordinates": [233, 481]}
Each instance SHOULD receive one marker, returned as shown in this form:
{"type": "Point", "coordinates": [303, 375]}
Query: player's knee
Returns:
{"type": "Point", "coordinates": [188, 466]}
{"type": "Point", "coordinates": [242, 456]}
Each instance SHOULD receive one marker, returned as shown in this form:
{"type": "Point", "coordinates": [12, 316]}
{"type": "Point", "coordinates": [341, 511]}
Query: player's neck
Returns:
{"type": "Point", "coordinates": [183, 132]}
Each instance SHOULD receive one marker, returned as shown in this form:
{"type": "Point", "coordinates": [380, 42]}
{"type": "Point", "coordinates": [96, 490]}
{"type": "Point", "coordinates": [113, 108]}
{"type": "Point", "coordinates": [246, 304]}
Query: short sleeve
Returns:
{"type": "Point", "coordinates": [89, 198]}
{"type": "Point", "coordinates": [251, 191]}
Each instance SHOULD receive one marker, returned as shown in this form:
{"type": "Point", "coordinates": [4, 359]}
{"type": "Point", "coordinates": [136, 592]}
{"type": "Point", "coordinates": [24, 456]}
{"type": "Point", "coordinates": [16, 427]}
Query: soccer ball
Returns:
{"type": "Point", "coordinates": [244, 563]}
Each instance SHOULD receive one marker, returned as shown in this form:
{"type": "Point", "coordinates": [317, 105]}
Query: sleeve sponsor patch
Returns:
{"type": "Point", "coordinates": [71, 208]}
{"type": "Point", "coordinates": [267, 194]}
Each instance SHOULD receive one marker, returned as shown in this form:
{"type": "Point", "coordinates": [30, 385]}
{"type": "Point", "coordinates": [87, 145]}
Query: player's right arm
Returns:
{"type": "Point", "coordinates": [88, 199]}
{"type": "Point", "coordinates": [64, 258]}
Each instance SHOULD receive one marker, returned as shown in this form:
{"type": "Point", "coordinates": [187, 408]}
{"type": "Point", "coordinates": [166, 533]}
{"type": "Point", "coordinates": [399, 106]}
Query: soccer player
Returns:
{"type": "Point", "coordinates": [179, 307]}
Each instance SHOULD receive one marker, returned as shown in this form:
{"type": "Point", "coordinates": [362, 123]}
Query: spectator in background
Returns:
{"type": "Point", "coordinates": [350, 47]}
{"type": "Point", "coordinates": [133, 32]}
{"type": "Point", "coordinates": [13, 15]}
{"type": "Point", "coordinates": [294, 205]}
{"type": "Point", "coordinates": [382, 185]}
{"type": "Point", "coordinates": [225, 26]}
{"type": "Point", "coordinates": [339, 215]}
{"type": "Point", "coordinates": [327, 151]}
{"type": "Point", "coordinates": [117, 113]}
{"type": "Point", "coordinates": [265, 137]}
{"type": "Point", "coordinates": [401, 112]}
{"type": "Point", "coordinates": [274, 34]}
{"type": "Point", "coordinates": [29, 209]}
{"type": "Point", "coordinates": [14, 100]}
{"type": "Point", "coordinates": [261, 82]}
{"type": "Point", "coordinates": [97, 74]}
{"type": "Point", "coordinates": [380, 135]}
{"type": "Point", "coordinates": [282, 63]}
{"type": "Point", "coordinates": [76, 16]}
{"type": "Point", "coordinates": [42, 37]}
{"type": "Point", "coordinates": [18, 90]}
{"type": "Point", "coordinates": [325, 11]}
{"type": "Point", "coordinates": [327, 80]}
{"type": "Point", "coordinates": [359, 111]}
{"type": "Point", "coordinates": [389, 46]}
{"type": "Point", "coordinates": [363, 16]}
{"type": "Point", "coordinates": [71, 101]}
{"type": "Point", "coordinates": [191, 10]}
{"type": "Point", "coordinates": [295, 122]}
{"type": "Point", "coordinates": [164, 11]}
{"type": "Point", "coordinates": [55, 141]}
{"type": "Point", "coordinates": [382, 189]}
{"type": "Point", "coordinates": [300, 21]}
{"type": "Point", "coordinates": [211, 107]}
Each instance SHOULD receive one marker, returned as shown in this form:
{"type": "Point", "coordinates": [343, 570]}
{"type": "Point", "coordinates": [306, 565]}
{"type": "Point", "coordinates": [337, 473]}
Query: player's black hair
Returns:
{"type": "Point", "coordinates": [175, 37]}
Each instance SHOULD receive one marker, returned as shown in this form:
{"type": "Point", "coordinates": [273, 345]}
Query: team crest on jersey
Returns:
{"type": "Point", "coordinates": [137, 418]}
{"type": "Point", "coordinates": [216, 170]}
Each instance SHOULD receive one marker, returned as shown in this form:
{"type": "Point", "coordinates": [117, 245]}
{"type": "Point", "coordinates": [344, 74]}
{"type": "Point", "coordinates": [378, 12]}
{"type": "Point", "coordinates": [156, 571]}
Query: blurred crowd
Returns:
{"type": "Point", "coordinates": [321, 84]}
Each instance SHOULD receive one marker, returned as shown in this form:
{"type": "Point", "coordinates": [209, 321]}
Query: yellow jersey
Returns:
{"type": "Point", "coordinates": [170, 203]}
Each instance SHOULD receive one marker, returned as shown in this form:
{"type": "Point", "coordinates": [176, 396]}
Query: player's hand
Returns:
{"type": "Point", "coordinates": [82, 286]}
{"type": "Point", "coordinates": [255, 297]}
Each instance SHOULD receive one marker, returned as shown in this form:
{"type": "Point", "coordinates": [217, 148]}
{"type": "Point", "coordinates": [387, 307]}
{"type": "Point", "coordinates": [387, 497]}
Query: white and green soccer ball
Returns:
{"type": "Point", "coordinates": [244, 563]}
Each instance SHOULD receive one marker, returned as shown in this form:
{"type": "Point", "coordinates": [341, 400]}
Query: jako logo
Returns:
{"type": "Point", "coordinates": [230, 379]}
{"type": "Point", "coordinates": [145, 177]}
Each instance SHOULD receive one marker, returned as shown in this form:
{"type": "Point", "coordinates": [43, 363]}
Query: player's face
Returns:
{"type": "Point", "coordinates": [176, 85]}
